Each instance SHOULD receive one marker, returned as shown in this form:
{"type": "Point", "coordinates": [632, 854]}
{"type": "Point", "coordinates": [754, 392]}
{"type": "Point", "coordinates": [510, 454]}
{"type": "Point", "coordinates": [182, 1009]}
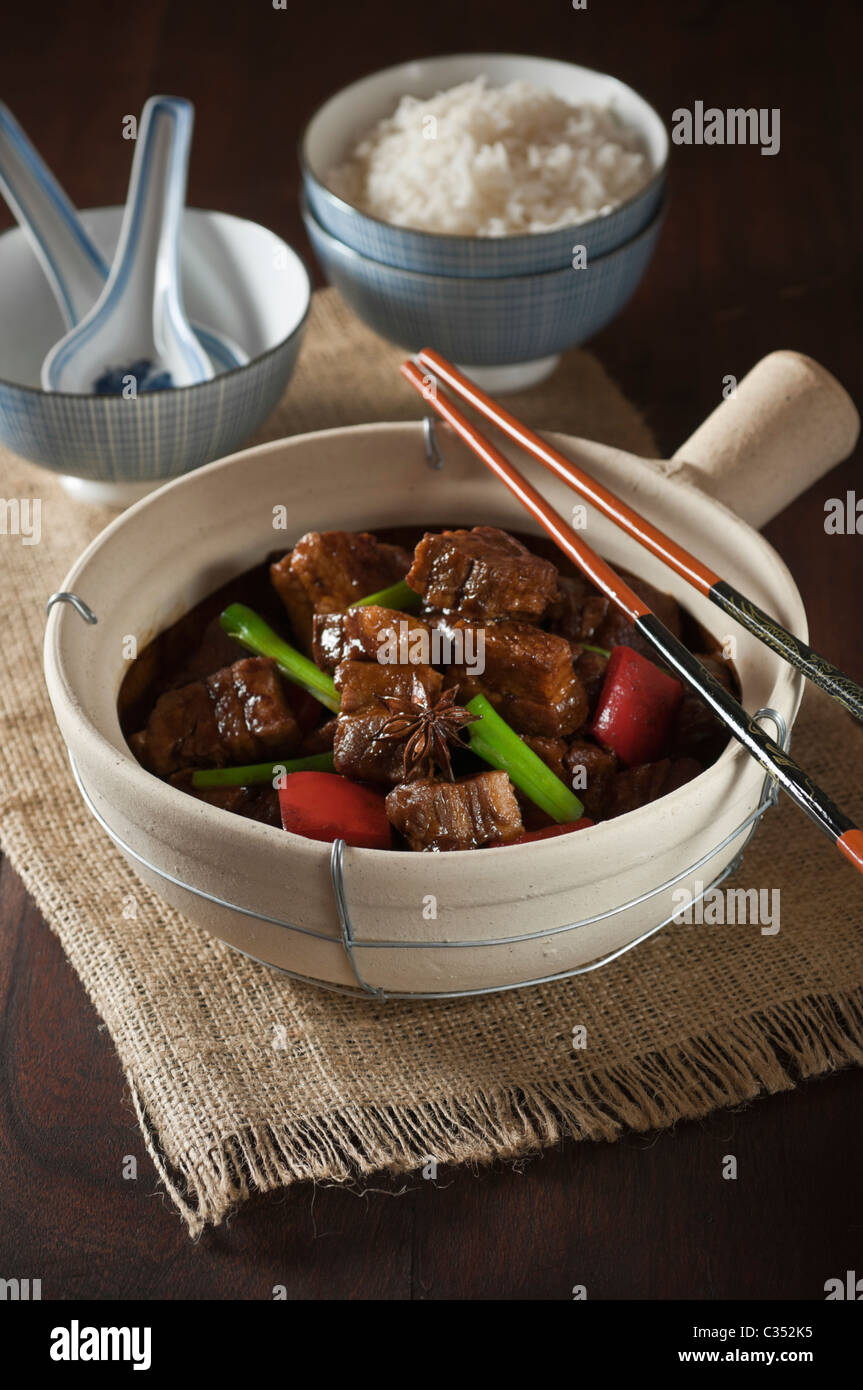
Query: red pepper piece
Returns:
{"type": "Point", "coordinates": [637, 708]}
{"type": "Point", "coordinates": [325, 806]}
{"type": "Point", "coordinates": [549, 831]}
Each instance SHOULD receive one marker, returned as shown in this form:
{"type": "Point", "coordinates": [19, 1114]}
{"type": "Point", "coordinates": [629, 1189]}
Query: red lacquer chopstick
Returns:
{"type": "Point", "coordinates": [779, 764]}
{"type": "Point", "coordinates": [816, 668]}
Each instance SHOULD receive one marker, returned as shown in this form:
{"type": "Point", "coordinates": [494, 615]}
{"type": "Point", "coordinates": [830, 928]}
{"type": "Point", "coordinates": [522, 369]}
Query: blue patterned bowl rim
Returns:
{"type": "Point", "coordinates": [349, 254]}
{"type": "Point", "coordinates": [8, 385]}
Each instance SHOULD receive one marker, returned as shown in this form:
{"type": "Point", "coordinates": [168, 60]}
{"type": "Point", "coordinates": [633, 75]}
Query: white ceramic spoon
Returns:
{"type": "Point", "coordinates": [73, 264]}
{"type": "Point", "coordinates": [137, 331]}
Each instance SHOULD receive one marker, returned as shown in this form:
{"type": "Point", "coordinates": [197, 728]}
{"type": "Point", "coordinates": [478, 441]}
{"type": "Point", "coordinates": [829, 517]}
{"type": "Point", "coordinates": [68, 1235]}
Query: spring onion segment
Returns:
{"type": "Point", "coordinates": [400, 597]}
{"type": "Point", "coordinates": [496, 743]}
{"type": "Point", "coordinates": [259, 774]}
{"type": "Point", "coordinates": [250, 630]}
{"type": "Point", "coordinates": [586, 647]}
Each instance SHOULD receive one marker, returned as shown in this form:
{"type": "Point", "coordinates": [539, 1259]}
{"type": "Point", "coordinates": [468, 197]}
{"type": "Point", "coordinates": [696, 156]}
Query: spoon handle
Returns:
{"type": "Point", "coordinates": [73, 264]}
{"type": "Point", "coordinates": [146, 267]}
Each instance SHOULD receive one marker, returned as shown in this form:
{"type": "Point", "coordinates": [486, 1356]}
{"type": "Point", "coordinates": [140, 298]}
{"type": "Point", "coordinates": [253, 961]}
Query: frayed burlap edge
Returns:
{"type": "Point", "coordinates": [763, 1054]}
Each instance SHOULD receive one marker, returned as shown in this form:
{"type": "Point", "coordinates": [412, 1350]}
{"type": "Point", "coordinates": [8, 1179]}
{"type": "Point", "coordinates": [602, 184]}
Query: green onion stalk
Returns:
{"type": "Point", "coordinates": [261, 774]}
{"type": "Point", "coordinates": [250, 630]}
{"type": "Point", "coordinates": [496, 743]}
{"type": "Point", "coordinates": [400, 597]}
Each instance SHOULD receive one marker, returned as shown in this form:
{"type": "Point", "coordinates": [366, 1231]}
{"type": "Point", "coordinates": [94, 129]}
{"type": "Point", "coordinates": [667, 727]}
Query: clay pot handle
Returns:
{"type": "Point", "coordinates": [789, 422]}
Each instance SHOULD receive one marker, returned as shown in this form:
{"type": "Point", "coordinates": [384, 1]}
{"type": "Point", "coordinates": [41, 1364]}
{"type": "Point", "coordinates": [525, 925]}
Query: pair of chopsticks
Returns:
{"type": "Point", "coordinates": [798, 785]}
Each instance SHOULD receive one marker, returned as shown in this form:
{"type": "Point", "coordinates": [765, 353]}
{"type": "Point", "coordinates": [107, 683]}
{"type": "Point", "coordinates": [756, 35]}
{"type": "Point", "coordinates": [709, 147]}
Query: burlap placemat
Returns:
{"type": "Point", "coordinates": [244, 1081]}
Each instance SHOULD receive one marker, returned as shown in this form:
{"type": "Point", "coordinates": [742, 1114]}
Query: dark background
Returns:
{"type": "Point", "coordinates": [758, 253]}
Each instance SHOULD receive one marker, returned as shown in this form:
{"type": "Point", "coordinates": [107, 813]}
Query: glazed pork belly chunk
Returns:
{"type": "Point", "coordinates": [591, 772]}
{"type": "Point", "coordinates": [584, 615]}
{"type": "Point", "coordinates": [327, 571]}
{"type": "Point", "coordinates": [528, 677]}
{"type": "Point", "coordinates": [252, 715]}
{"type": "Point", "coordinates": [483, 573]}
{"type": "Point", "coordinates": [296, 601]}
{"type": "Point", "coordinates": [465, 814]}
{"type": "Point", "coordinates": [359, 684]}
{"type": "Point", "coordinates": [362, 750]}
{"type": "Point", "coordinates": [636, 786]}
{"type": "Point", "coordinates": [365, 634]}
{"type": "Point", "coordinates": [238, 715]}
{"type": "Point", "coordinates": [590, 667]}
{"type": "Point", "coordinates": [608, 790]}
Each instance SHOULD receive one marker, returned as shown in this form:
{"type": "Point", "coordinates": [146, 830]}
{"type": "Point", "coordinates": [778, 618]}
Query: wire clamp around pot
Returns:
{"type": "Point", "coordinates": [434, 457]}
{"type": "Point", "coordinates": [337, 859]}
{"type": "Point", "coordinates": [77, 603]}
{"type": "Point", "coordinates": [771, 787]}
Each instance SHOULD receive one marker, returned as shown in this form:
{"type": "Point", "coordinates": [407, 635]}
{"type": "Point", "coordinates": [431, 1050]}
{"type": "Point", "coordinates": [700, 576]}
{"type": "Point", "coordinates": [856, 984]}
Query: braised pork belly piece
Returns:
{"type": "Point", "coordinates": [520, 659]}
{"type": "Point", "coordinates": [299, 607]}
{"type": "Point", "coordinates": [591, 772]}
{"type": "Point", "coordinates": [583, 615]}
{"type": "Point", "coordinates": [363, 752]}
{"type": "Point", "coordinates": [483, 573]}
{"type": "Point", "coordinates": [362, 634]}
{"type": "Point", "coordinates": [465, 814]}
{"type": "Point", "coordinates": [576, 609]}
{"type": "Point", "coordinates": [360, 683]}
{"type": "Point", "coordinates": [237, 715]}
{"type": "Point", "coordinates": [590, 667]}
{"type": "Point", "coordinates": [536, 717]}
{"type": "Point", "coordinates": [362, 748]}
{"type": "Point", "coordinates": [252, 715]}
{"type": "Point", "coordinates": [636, 786]}
{"type": "Point", "coordinates": [528, 677]}
{"type": "Point", "coordinates": [327, 571]}
{"type": "Point", "coordinates": [181, 732]}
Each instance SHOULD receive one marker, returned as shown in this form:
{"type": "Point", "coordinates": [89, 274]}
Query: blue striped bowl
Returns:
{"type": "Point", "coordinates": [481, 322]}
{"type": "Point", "coordinates": [336, 126]}
{"type": "Point", "coordinates": [238, 278]}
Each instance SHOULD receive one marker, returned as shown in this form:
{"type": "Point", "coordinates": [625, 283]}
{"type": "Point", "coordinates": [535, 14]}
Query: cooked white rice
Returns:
{"type": "Point", "coordinates": [492, 161]}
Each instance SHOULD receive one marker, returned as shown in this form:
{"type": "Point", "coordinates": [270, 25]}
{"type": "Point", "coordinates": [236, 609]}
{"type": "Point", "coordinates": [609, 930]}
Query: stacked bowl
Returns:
{"type": "Point", "coordinates": [503, 307]}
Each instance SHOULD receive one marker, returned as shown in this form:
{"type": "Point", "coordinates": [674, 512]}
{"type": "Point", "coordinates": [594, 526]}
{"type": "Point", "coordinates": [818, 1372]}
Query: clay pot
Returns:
{"type": "Point", "coordinates": [504, 916]}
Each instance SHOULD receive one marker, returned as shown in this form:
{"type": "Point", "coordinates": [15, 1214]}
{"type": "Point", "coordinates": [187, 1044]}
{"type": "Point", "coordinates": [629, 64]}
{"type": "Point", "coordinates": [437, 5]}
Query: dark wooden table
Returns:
{"type": "Point", "coordinates": [758, 253]}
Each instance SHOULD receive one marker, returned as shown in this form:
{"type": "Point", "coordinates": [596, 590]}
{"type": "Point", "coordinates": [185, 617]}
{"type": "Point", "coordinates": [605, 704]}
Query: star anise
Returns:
{"type": "Point", "coordinates": [429, 729]}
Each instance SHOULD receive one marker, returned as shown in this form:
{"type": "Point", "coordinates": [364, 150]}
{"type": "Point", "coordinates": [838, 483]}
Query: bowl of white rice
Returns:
{"type": "Point", "coordinates": [484, 165]}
